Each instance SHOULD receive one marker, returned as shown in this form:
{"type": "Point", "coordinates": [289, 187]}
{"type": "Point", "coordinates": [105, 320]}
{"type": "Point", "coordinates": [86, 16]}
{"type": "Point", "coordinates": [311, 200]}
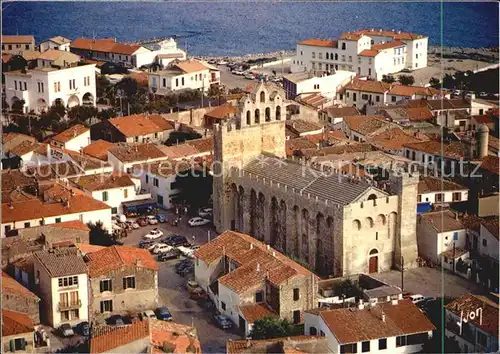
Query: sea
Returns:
{"type": "Point", "coordinates": [225, 28]}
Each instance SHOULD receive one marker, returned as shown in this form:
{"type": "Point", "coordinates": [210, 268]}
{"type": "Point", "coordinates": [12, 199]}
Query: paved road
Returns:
{"type": "Point", "coordinates": [430, 282]}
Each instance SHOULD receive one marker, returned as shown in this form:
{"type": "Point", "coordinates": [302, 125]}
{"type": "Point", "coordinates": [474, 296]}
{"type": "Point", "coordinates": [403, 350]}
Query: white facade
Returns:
{"type": "Point", "coordinates": [326, 85]}
{"type": "Point", "coordinates": [444, 196]}
{"type": "Point", "coordinates": [164, 82]}
{"type": "Point", "coordinates": [377, 60]}
{"type": "Point", "coordinates": [159, 187]}
{"type": "Point", "coordinates": [78, 142]}
{"type": "Point", "coordinates": [50, 44]}
{"type": "Point", "coordinates": [114, 197]}
{"type": "Point", "coordinates": [43, 87]}
{"type": "Point", "coordinates": [488, 244]}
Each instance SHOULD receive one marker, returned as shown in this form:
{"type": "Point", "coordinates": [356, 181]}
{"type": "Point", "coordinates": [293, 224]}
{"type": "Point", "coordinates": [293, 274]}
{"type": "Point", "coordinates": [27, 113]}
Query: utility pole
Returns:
{"type": "Point", "coordinates": [402, 273]}
{"type": "Point", "coordinates": [453, 254]}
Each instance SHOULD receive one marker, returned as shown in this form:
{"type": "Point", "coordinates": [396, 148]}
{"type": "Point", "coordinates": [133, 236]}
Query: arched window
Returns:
{"type": "Point", "coordinates": [369, 221]}
{"type": "Point", "coordinates": [313, 331]}
{"type": "Point", "coordinates": [372, 197]}
{"type": "Point", "coordinates": [278, 112]}
{"type": "Point", "coordinates": [336, 57]}
{"type": "Point", "coordinates": [262, 96]}
{"type": "Point", "coordinates": [373, 251]}
{"type": "Point", "coordinates": [268, 114]}
{"type": "Point", "coordinates": [257, 116]}
{"type": "Point", "coordinates": [249, 118]}
{"type": "Point", "coordinates": [327, 55]}
{"type": "Point", "coordinates": [381, 219]}
{"type": "Point", "coordinates": [356, 224]}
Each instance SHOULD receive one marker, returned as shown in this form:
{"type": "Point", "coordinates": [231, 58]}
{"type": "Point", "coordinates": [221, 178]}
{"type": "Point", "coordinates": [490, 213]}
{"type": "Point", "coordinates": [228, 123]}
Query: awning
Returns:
{"type": "Point", "coordinates": [423, 208]}
{"type": "Point", "coordinates": [139, 205]}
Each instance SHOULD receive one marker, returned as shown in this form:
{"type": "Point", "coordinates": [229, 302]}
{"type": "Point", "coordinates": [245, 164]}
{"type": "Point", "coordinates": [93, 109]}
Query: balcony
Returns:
{"type": "Point", "coordinates": [65, 306]}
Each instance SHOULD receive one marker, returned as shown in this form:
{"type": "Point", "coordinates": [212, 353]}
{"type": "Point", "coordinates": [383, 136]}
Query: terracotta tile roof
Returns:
{"type": "Point", "coordinates": [62, 55]}
{"type": "Point", "coordinates": [175, 152]}
{"type": "Point", "coordinates": [86, 248]}
{"type": "Point", "coordinates": [392, 139]}
{"type": "Point", "coordinates": [163, 168]}
{"type": "Point", "coordinates": [403, 90]}
{"type": "Point", "coordinates": [351, 36]}
{"type": "Point", "coordinates": [161, 122]}
{"type": "Point", "coordinates": [190, 66]}
{"type": "Point", "coordinates": [491, 164]}
{"type": "Point", "coordinates": [141, 77]}
{"type": "Point", "coordinates": [11, 179]}
{"type": "Point", "coordinates": [429, 184]}
{"type": "Point", "coordinates": [59, 40]}
{"type": "Point", "coordinates": [419, 114]}
{"type": "Point", "coordinates": [366, 124]}
{"type": "Point", "coordinates": [183, 337]}
{"type": "Point", "coordinates": [339, 149]}
{"type": "Point", "coordinates": [70, 133]}
{"type": "Point", "coordinates": [12, 287]}
{"type": "Point", "coordinates": [368, 86]}
{"type": "Point", "coordinates": [222, 112]}
{"type": "Point", "coordinates": [443, 221]}
{"type": "Point", "coordinates": [314, 99]}
{"type": "Point", "coordinates": [6, 39]}
{"type": "Point", "coordinates": [256, 260]}
{"type": "Point", "coordinates": [116, 257]}
{"type": "Point", "coordinates": [106, 338]}
{"type": "Point", "coordinates": [301, 126]}
{"type": "Point", "coordinates": [99, 182]}
{"type": "Point", "coordinates": [452, 150]}
{"type": "Point", "coordinates": [351, 325]}
{"type": "Point", "coordinates": [483, 119]}
{"type": "Point", "coordinates": [320, 43]}
{"type": "Point", "coordinates": [202, 145]}
{"type": "Point", "coordinates": [387, 45]}
{"type": "Point", "coordinates": [61, 262]}
{"type": "Point", "coordinates": [298, 144]}
{"type": "Point", "coordinates": [98, 149]}
{"type": "Point", "coordinates": [470, 303]}
{"type": "Point", "coordinates": [139, 124]}
{"type": "Point", "coordinates": [73, 224]}
{"type": "Point", "coordinates": [369, 53]}
{"type": "Point", "coordinates": [386, 33]}
{"type": "Point", "coordinates": [263, 345]}
{"type": "Point", "coordinates": [255, 312]}
{"type": "Point", "coordinates": [14, 323]}
{"type": "Point", "coordinates": [30, 54]}
{"type": "Point", "coordinates": [336, 112]}
{"type": "Point", "coordinates": [137, 152]}
{"type": "Point", "coordinates": [106, 45]}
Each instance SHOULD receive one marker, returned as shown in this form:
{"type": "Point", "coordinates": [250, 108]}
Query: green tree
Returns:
{"type": "Point", "coordinates": [406, 80]}
{"type": "Point", "coordinates": [100, 236]}
{"type": "Point", "coordinates": [435, 82]}
{"type": "Point", "coordinates": [235, 90]}
{"type": "Point", "coordinates": [17, 106]}
{"type": "Point", "coordinates": [17, 62]}
{"type": "Point", "coordinates": [178, 137]}
{"type": "Point", "coordinates": [273, 327]}
{"type": "Point", "coordinates": [107, 114]}
{"type": "Point", "coordinates": [388, 79]}
{"type": "Point", "coordinates": [195, 187]}
{"type": "Point", "coordinates": [129, 86]}
{"type": "Point", "coordinates": [214, 91]}
{"type": "Point", "coordinates": [82, 113]}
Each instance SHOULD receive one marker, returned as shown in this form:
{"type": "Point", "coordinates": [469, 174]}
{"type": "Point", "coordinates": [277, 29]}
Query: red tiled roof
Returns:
{"type": "Point", "coordinates": [70, 133]}
{"type": "Point", "coordinates": [138, 124]}
{"type": "Point", "coordinates": [115, 257]}
{"type": "Point", "coordinates": [222, 112]}
{"type": "Point", "coordinates": [136, 152]}
{"type": "Point", "coordinates": [11, 286]}
{"type": "Point", "coordinates": [391, 139]}
{"type": "Point", "coordinates": [492, 226]}
{"type": "Point", "coordinates": [369, 53]}
{"type": "Point", "coordinates": [182, 337]}
{"type": "Point", "coordinates": [190, 66]}
{"type": "Point", "coordinates": [73, 224]}
{"type": "Point", "coordinates": [443, 221]}
{"type": "Point", "coordinates": [491, 163]}
{"type": "Point", "coordinates": [202, 145]}
{"type": "Point", "coordinates": [15, 323]}
{"type": "Point", "coordinates": [383, 33]}
{"type": "Point", "coordinates": [365, 124]}
{"type": "Point", "coordinates": [351, 325]}
{"type": "Point", "coordinates": [320, 43]}
{"type": "Point", "coordinates": [368, 86]}
{"type": "Point", "coordinates": [453, 150]}
{"type": "Point", "coordinates": [262, 345]}
{"type": "Point", "coordinates": [106, 45]}
{"type": "Point", "coordinates": [419, 114]}
{"type": "Point", "coordinates": [17, 39]}
{"type": "Point", "coordinates": [98, 182]}
{"type": "Point", "coordinates": [86, 248]}
{"type": "Point", "coordinates": [429, 184]}
{"type": "Point", "coordinates": [470, 303]}
{"type": "Point", "coordinates": [98, 149]}
{"type": "Point", "coordinates": [255, 312]}
{"type": "Point", "coordinates": [106, 338]}
{"type": "Point", "coordinates": [483, 119]}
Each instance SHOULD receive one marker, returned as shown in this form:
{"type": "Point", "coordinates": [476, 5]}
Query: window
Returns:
{"type": "Point", "coordinates": [17, 344]}
{"type": "Point", "coordinates": [147, 179]}
{"type": "Point", "coordinates": [7, 228]}
{"type": "Point", "coordinates": [400, 341]}
{"type": "Point", "coordinates": [343, 46]}
{"type": "Point", "coordinates": [72, 85]}
{"type": "Point", "coordinates": [370, 61]}
{"type": "Point", "coordinates": [114, 210]}
{"type": "Point", "coordinates": [365, 346]}
{"type": "Point", "coordinates": [416, 56]}
{"type": "Point", "coordinates": [313, 331]}
{"type": "Point", "coordinates": [223, 305]}
{"type": "Point", "coordinates": [68, 281]}
{"type": "Point", "coordinates": [301, 52]}
{"type": "Point", "coordinates": [26, 224]}
{"type": "Point", "coordinates": [129, 282]}
{"type": "Point", "coordinates": [314, 66]}
{"type": "Point", "coordinates": [155, 182]}
{"type": "Point", "coordinates": [136, 139]}
{"type": "Point", "coordinates": [439, 197]}
{"type": "Point", "coordinates": [57, 86]}
{"type": "Point", "coordinates": [364, 96]}
{"type": "Point", "coordinates": [15, 85]}
{"type": "Point", "coordinates": [419, 198]}
{"type": "Point", "coordinates": [369, 72]}
{"type": "Point", "coordinates": [354, 98]}
{"type": "Point", "coordinates": [75, 314]}
{"type": "Point", "coordinates": [322, 334]}
{"type": "Point", "coordinates": [125, 193]}
{"type": "Point", "coordinates": [343, 57]}
{"type": "Point", "coordinates": [296, 316]}
{"type": "Point", "coordinates": [58, 220]}
{"type": "Point", "coordinates": [40, 87]}
{"type": "Point", "coordinates": [485, 242]}
{"type": "Point", "coordinates": [393, 98]}
{"type": "Point", "coordinates": [259, 296]}
{"type": "Point", "coordinates": [177, 82]}
{"type": "Point", "coordinates": [105, 196]}
{"type": "Point", "coordinates": [10, 46]}
{"type": "Point", "coordinates": [106, 306]}
{"type": "Point", "coordinates": [327, 55]}
{"type": "Point", "coordinates": [382, 343]}
{"type": "Point", "coordinates": [182, 81]}
{"type": "Point", "coordinates": [106, 285]}
{"type": "Point", "coordinates": [457, 196]}
{"type": "Point", "coordinates": [320, 66]}
{"type": "Point", "coordinates": [65, 315]}
{"type": "Point", "coordinates": [376, 235]}
{"type": "Point", "coordinates": [350, 58]}
{"type": "Point", "coordinates": [313, 55]}
{"type": "Point", "coordinates": [416, 45]}
{"type": "Point", "coordinates": [296, 294]}
{"type": "Point", "coordinates": [159, 199]}
{"type": "Point", "coordinates": [349, 348]}
{"type": "Point", "coordinates": [320, 55]}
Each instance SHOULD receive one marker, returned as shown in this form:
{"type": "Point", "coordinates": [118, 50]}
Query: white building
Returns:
{"type": "Point", "coordinates": [370, 53]}
{"type": "Point", "coordinates": [43, 87]}
{"type": "Point", "coordinates": [124, 156]}
{"type": "Point", "coordinates": [438, 233]}
{"type": "Point", "coordinates": [58, 42]}
{"type": "Point", "coordinates": [74, 138]}
{"type": "Point", "coordinates": [435, 190]}
{"type": "Point", "coordinates": [17, 44]}
{"type": "Point", "coordinates": [112, 189]}
{"type": "Point", "coordinates": [188, 74]}
{"type": "Point", "coordinates": [55, 57]}
{"type": "Point", "coordinates": [306, 82]}
{"type": "Point", "coordinates": [391, 327]}
{"type": "Point", "coordinates": [61, 281]}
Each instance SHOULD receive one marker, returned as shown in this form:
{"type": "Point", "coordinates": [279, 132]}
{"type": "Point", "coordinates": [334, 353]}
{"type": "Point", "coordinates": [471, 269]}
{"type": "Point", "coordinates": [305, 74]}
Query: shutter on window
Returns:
{"type": "Point", "coordinates": [110, 285]}
{"type": "Point", "coordinates": [12, 345]}
{"type": "Point", "coordinates": [133, 282]}
{"type": "Point", "coordinates": [23, 344]}
{"type": "Point", "coordinates": [124, 283]}
{"type": "Point", "coordinates": [102, 307]}
{"type": "Point", "coordinates": [101, 287]}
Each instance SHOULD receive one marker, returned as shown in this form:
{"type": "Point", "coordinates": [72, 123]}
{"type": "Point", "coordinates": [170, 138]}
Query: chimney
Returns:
{"type": "Point", "coordinates": [361, 305]}
{"type": "Point", "coordinates": [258, 267]}
{"type": "Point", "coordinates": [395, 301]}
{"type": "Point", "coordinates": [268, 247]}
{"type": "Point", "coordinates": [383, 316]}
{"type": "Point", "coordinates": [248, 344]}
{"type": "Point", "coordinates": [456, 216]}
{"type": "Point", "coordinates": [274, 254]}
{"type": "Point", "coordinates": [251, 246]}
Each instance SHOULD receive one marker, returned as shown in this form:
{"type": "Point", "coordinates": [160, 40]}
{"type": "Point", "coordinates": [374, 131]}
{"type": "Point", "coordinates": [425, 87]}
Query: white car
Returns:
{"type": "Point", "coordinates": [239, 73]}
{"type": "Point", "coordinates": [222, 62]}
{"type": "Point", "coordinates": [148, 314]}
{"type": "Point", "coordinates": [134, 224]}
{"type": "Point", "coordinates": [197, 221]}
{"type": "Point", "coordinates": [205, 212]}
{"type": "Point", "coordinates": [186, 251]}
{"type": "Point", "coordinates": [417, 298]}
{"type": "Point", "coordinates": [153, 234]}
{"type": "Point", "coordinates": [152, 246]}
{"type": "Point", "coordinates": [152, 220]}
{"type": "Point", "coordinates": [161, 247]}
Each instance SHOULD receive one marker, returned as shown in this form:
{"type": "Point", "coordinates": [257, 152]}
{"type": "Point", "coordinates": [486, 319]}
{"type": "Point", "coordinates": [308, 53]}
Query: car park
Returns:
{"type": "Point", "coordinates": [83, 328]}
{"type": "Point", "coordinates": [172, 254]}
{"type": "Point", "coordinates": [146, 243]}
{"type": "Point", "coordinates": [178, 241]}
{"type": "Point", "coordinates": [65, 330]}
{"type": "Point", "coordinates": [116, 320]}
{"type": "Point", "coordinates": [186, 251]}
{"type": "Point", "coordinates": [152, 220]}
{"type": "Point", "coordinates": [161, 218]}
{"type": "Point", "coordinates": [148, 314]}
{"type": "Point", "coordinates": [223, 322]}
{"type": "Point", "coordinates": [161, 247]}
{"type": "Point", "coordinates": [197, 221]}
{"type": "Point", "coordinates": [154, 234]}
{"type": "Point", "coordinates": [163, 313]}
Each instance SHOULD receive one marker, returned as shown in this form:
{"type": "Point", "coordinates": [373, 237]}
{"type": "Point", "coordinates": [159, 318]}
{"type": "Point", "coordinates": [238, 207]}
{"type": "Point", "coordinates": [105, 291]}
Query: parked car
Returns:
{"type": "Point", "coordinates": [148, 315]}
{"type": "Point", "coordinates": [161, 217]}
{"type": "Point", "coordinates": [198, 294]}
{"type": "Point", "coordinates": [169, 238]}
{"type": "Point", "coordinates": [179, 241]}
{"type": "Point", "coordinates": [207, 304]}
{"type": "Point", "coordinates": [205, 212]}
{"type": "Point", "coordinates": [119, 218]}
{"type": "Point", "coordinates": [142, 221]}
{"type": "Point", "coordinates": [65, 330]}
{"type": "Point", "coordinates": [161, 248]}
{"type": "Point", "coordinates": [152, 220]}
{"type": "Point", "coordinates": [197, 221]}
{"type": "Point", "coordinates": [238, 72]}
{"type": "Point", "coordinates": [223, 322]}
{"type": "Point", "coordinates": [162, 313]}
{"type": "Point", "coordinates": [133, 224]}
{"type": "Point", "coordinates": [191, 285]}
{"type": "Point", "coordinates": [154, 234]}
{"type": "Point", "coordinates": [186, 251]}
{"type": "Point", "coordinates": [416, 298]}
{"type": "Point", "coordinates": [116, 320]}
{"type": "Point", "coordinates": [83, 328]}
{"type": "Point", "coordinates": [249, 76]}
{"type": "Point", "coordinates": [222, 62]}
{"type": "Point", "coordinates": [172, 254]}
{"type": "Point", "coordinates": [146, 243]}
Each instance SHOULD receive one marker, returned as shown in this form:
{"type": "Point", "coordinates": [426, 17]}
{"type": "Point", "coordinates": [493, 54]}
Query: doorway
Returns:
{"type": "Point", "coordinates": [373, 261]}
